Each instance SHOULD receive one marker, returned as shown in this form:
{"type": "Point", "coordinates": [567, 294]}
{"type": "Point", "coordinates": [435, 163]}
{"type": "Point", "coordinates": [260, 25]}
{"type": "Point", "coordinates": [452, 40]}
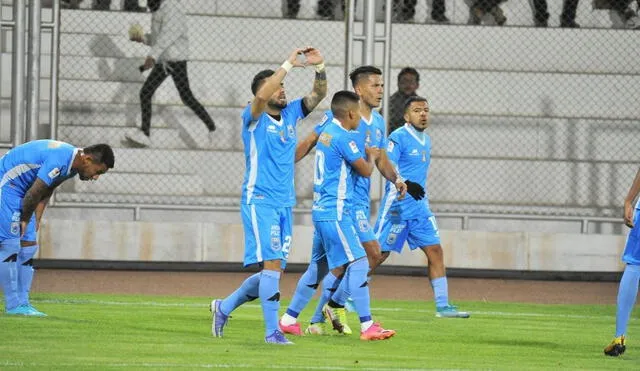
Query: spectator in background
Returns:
{"type": "Point", "coordinates": [290, 8]}
{"type": "Point", "coordinates": [482, 7]}
{"type": "Point", "coordinates": [408, 84]}
{"type": "Point", "coordinates": [405, 10]}
{"type": "Point", "coordinates": [567, 18]}
{"type": "Point", "coordinates": [168, 57]}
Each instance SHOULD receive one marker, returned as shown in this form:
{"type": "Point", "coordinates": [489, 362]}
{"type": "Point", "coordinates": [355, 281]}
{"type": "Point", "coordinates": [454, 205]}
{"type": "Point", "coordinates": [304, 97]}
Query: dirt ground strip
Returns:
{"type": "Point", "coordinates": [210, 284]}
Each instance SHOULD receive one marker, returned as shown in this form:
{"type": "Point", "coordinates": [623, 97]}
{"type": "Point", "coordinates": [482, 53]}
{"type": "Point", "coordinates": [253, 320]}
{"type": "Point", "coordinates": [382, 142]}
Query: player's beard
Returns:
{"type": "Point", "coordinates": [279, 105]}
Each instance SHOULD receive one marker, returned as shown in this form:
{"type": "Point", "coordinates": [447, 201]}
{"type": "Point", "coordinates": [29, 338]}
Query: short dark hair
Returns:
{"type": "Point", "coordinates": [410, 71]}
{"type": "Point", "coordinates": [341, 101]}
{"type": "Point", "coordinates": [363, 72]}
{"type": "Point", "coordinates": [259, 78]}
{"type": "Point", "coordinates": [414, 98]}
{"type": "Point", "coordinates": [101, 153]}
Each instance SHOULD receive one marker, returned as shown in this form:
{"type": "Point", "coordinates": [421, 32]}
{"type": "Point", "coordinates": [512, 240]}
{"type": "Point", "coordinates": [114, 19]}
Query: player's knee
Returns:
{"type": "Point", "coordinates": [435, 255]}
{"type": "Point", "coordinates": [383, 256]}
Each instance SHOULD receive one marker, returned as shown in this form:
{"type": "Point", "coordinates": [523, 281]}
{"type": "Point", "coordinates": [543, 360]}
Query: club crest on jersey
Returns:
{"type": "Point", "coordinates": [367, 137]}
{"type": "Point", "coordinates": [325, 139]}
{"type": "Point", "coordinates": [392, 238]}
{"type": "Point", "coordinates": [54, 173]}
{"type": "Point", "coordinates": [378, 134]}
{"type": "Point", "coordinates": [275, 238]}
{"type": "Point", "coordinates": [390, 147]}
{"type": "Point", "coordinates": [363, 224]}
{"type": "Point", "coordinates": [354, 147]}
{"type": "Point", "coordinates": [290, 131]}
{"type": "Point", "coordinates": [424, 156]}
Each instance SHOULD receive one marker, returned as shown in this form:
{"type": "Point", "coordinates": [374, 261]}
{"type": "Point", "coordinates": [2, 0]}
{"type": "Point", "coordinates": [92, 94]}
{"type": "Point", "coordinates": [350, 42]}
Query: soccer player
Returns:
{"type": "Point", "coordinates": [337, 158]}
{"type": "Point", "coordinates": [628, 290]}
{"type": "Point", "coordinates": [409, 220]}
{"type": "Point", "coordinates": [268, 193]}
{"type": "Point", "coordinates": [28, 175]}
{"type": "Point", "coordinates": [371, 132]}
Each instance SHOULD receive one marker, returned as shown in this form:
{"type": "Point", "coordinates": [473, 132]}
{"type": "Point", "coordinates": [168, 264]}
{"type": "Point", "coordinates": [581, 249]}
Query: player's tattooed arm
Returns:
{"type": "Point", "coordinates": [38, 192]}
{"type": "Point", "coordinates": [319, 91]}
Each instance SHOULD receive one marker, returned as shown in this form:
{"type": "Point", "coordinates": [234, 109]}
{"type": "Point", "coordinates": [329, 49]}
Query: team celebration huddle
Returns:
{"type": "Point", "coordinates": [350, 143]}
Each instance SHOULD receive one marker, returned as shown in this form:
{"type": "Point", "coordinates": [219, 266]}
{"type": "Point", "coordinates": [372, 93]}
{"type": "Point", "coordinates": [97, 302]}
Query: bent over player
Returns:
{"type": "Point", "coordinates": [28, 175]}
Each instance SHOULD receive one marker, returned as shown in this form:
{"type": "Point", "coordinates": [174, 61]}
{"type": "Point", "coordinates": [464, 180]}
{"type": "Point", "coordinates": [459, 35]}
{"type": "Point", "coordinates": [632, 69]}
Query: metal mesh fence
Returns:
{"type": "Point", "coordinates": [524, 118]}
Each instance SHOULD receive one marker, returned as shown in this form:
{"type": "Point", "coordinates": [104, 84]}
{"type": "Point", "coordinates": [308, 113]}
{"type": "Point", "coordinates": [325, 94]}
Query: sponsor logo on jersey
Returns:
{"type": "Point", "coordinates": [325, 139]}
{"type": "Point", "coordinates": [54, 173]}
{"type": "Point", "coordinates": [354, 147]}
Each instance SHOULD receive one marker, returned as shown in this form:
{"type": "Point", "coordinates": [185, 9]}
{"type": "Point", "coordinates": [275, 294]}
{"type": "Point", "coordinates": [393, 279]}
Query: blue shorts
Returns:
{"type": "Point", "coordinates": [417, 232]}
{"type": "Point", "coordinates": [10, 210]}
{"type": "Point", "coordinates": [267, 233]}
{"type": "Point", "coordinates": [361, 221]}
{"type": "Point", "coordinates": [631, 254]}
{"type": "Point", "coordinates": [339, 240]}
{"type": "Point", "coordinates": [317, 248]}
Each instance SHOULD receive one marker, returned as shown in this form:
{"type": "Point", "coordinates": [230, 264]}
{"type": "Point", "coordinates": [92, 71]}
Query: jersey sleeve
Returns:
{"type": "Point", "coordinates": [394, 148]}
{"type": "Point", "coordinates": [327, 118]}
{"type": "Point", "coordinates": [294, 109]}
{"type": "Point", "coordinates": [54, 169]}
{"type": "Point", "coordinates": [348, 148]}
{"type": "Point", "coordinates": [246, 116]}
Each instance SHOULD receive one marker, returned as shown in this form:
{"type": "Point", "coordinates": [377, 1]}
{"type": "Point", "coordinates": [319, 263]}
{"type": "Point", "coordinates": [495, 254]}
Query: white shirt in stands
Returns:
{"type": "Point", "coordinates": [169, 38]}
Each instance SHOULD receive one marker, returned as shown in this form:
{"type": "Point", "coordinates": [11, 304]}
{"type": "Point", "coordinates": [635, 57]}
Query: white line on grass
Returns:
{"type": "Point", "coordinates": [206, 365]}
{"type": "Point", "coordinates": [374, 309]}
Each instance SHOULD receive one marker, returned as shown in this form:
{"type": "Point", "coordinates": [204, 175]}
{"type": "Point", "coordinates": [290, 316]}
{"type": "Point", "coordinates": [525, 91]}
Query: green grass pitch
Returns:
{"type": "Point", "coordinates": [93, 332]}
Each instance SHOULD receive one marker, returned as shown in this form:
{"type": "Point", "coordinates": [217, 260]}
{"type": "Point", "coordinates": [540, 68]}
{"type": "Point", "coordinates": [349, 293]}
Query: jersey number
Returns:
{"type": "Point", "coordinates": [318, 172]}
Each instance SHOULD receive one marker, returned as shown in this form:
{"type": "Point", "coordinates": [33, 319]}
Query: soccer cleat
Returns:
{"type": "Point", "coordinates": [342, 316]}
{"type": "Point", "coordinates": [21, 310]}
{"type": "Point", "coordinates": [376, 332]}
{"type": "Point", "coordinates": [277, 337]}
{"type": "Point", "coordinates": [33, 312]}
{"type": "Point", "coordinates": [316, 329]}
{"type": "Point", "coordinates": [332, 315]}
{"type": "Point", "coordinates": [290, 329]}
{"type": "Point", "coordinates": [138, 137]}
{"type": "Point", "coordinates": [451, 311]}
{"type": "Point", "coordinates": [616, 348]}
{"type": "Point", "coordinates": [218, 319]}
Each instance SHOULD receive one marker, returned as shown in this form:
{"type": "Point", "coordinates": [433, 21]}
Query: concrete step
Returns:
{"type": "Point", "coordinates": [143, 199]}
{"type": "Point", "coordinates": [140, 184]}
{"type": "Point", "coordinates": [459, 92]}
{"type": "Point", "coordinates": [97, 121]}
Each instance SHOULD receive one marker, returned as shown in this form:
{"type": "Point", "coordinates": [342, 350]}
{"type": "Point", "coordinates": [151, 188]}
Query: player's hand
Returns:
{"type": "Point", "coordinates": [23, 228]}
{"type": "Point", "coordinates": [372, 153]}
{"type": "Point", "coordinates": [148, 63]}
{"type": "Point", "coordinates": [293, 57]}
{"type": "Point", "coordinates": [313, 55]}
{"type": "Point", "coordinates": [401, 187]}
{"type": "Point", "coordinates": [415, 190]}
{"type": "Point", "coordinates": [628, 215]}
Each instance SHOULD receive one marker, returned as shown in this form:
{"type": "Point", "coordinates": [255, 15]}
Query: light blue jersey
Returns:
{"type": "Point", "coordinates": [410, 151]}
{"type": "Point", "coordinates": [269, 150]}
{"type": "Point", "coordinates": [333, 177]}
{"type": "Point", "coordinates": [47, 160]}
{"type": "Point", "coordinates": [631, 254]}
{"type": "Point", "coordinates": [370, 133]}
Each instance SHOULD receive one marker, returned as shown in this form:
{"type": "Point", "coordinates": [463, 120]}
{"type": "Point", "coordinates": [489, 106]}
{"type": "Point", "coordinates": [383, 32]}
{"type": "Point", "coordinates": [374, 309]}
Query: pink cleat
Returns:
{"type": "Point", "coordinates": [290, 329]}
{"type": "Point", "coordinates": [375, 332]}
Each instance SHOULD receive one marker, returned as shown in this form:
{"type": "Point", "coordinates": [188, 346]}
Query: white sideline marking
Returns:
{"type": "Point", "coordinates": [374, 309]}
{"type": "Point", "coordinates": [206, 365]}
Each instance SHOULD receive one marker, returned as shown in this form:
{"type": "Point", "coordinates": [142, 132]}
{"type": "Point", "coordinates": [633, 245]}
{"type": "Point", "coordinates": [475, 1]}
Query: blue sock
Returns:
{"type": "Point", "coordinates": [358, 286]}
{"type": "Point", "coordinates": [246, 292]}
{"type": "Point", "coordinates": [440, 291]}
{"type": "Point", "coordinates": [270, 299]}
{"type": "Point", "coordinates": [329, 284]}
{"type": "Point", "coordinates": [25, 272]}
{"type": "Point", "coordinates": [342, 293]}
{"type": "Point", "coordinates": [307, 286]}
{"type": "Point", "coordinates": [627, 293]}
{"type": "Point", "coordinates": [9, 272]}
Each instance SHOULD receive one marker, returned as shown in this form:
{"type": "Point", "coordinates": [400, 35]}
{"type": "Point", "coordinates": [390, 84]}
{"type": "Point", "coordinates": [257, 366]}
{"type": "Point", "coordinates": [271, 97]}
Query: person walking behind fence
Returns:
{"type": "Point", "coordinates": [168, 57]}
{"type": "Point", "coordinates": [628, 290]}
{"type": "Point", "coordinates": [28, 175]}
